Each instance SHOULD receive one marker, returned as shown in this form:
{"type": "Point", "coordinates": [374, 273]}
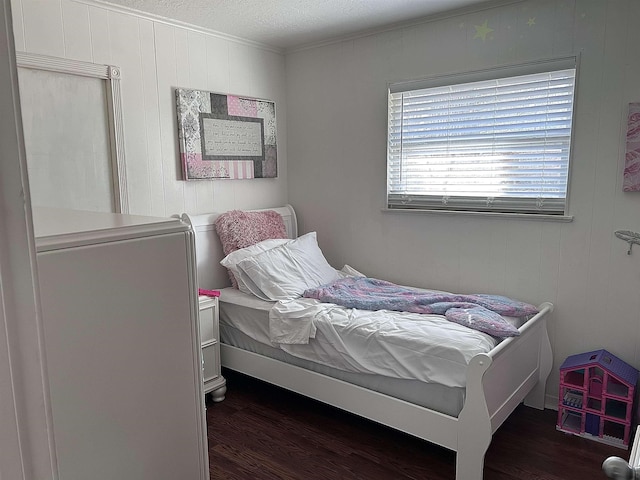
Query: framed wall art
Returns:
{"type": "Point", "coordinates": [226, 136]}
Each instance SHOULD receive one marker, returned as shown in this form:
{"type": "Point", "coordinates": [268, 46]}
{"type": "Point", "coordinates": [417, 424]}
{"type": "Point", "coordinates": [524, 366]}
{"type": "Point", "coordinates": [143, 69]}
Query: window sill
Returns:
{"type": "Point", "coordinates": [519, 216]}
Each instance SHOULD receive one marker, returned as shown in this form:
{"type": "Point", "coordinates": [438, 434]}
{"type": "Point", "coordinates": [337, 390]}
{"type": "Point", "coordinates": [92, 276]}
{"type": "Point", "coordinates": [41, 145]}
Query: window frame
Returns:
{"type": "Point", "coordinates": [460, 78]}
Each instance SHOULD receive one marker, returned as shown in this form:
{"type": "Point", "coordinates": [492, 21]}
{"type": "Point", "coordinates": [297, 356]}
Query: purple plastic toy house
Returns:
{"type": "Point", "coordinates": [596, 397]}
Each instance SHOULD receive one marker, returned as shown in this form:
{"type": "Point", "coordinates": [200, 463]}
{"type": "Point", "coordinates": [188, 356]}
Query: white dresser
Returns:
{"type": "Point", "coordinates": [122, 343]}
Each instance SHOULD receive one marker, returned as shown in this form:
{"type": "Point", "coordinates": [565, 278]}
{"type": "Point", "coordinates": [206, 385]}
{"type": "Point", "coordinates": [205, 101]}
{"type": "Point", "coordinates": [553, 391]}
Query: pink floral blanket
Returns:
{"type": "Point", "coordinates": [479, 311]}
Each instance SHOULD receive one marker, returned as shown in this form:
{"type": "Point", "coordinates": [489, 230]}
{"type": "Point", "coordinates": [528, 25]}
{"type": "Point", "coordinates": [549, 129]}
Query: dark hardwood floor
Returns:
{"type": "Point", "coordinates": [263, 432]}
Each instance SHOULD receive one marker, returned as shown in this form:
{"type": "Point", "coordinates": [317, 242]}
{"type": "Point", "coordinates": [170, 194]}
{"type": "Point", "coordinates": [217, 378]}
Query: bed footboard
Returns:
{"type": "Point", "coordinates": [496, 383]}
{"type": "Point", "coordinates": [474, 422]}
{"type": "Point", "coordinates": [537, 396]}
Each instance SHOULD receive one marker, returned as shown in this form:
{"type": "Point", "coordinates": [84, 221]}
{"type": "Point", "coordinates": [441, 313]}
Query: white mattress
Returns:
{"type": "Point", "coordinates": [245, 323]}
{"type": "Point", "coordinates": [391, 344]}
{"type": "Point", "coordinates": [446, 400]}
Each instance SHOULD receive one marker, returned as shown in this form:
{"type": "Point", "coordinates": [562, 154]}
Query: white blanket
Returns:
{"type": "Point", "coordinates": [396, 344]}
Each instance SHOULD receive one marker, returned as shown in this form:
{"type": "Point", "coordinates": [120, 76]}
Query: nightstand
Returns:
{"type": "Point", "coordinates": [214, 382]}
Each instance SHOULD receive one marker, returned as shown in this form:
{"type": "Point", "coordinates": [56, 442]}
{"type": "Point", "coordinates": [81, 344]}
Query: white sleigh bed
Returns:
{"type": "Point", "coordinates": [496, 382]}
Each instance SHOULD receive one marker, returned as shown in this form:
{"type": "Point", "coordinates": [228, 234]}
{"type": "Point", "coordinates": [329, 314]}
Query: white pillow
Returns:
{"type": "Point", "coordinates": [286, 271]}
{"type": "Point", "coordinates": [349, 271]}
{"type": "Point", "coordinates": [231, 260]}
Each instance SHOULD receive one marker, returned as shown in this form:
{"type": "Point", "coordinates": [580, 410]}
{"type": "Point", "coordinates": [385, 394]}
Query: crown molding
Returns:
{"type": "Point", "coordinates": [177, 23]}
{"type": "Point", "coordinates": [489, 5]}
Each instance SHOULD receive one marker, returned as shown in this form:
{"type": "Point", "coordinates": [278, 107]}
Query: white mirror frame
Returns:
{"type": "Point", "coordinates": [111, 75]}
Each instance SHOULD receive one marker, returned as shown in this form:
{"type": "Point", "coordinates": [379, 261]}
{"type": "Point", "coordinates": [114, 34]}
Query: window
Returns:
{"type": "Point", "coordinates": [490, 141]}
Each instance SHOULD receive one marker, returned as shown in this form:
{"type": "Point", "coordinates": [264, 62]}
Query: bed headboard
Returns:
{"type": "Point", "coordinates": [212, 275]}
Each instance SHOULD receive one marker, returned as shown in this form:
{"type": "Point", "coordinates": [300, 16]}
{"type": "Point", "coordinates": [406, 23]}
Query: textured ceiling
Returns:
{"type": "Point", "coordinates": [286, 24]}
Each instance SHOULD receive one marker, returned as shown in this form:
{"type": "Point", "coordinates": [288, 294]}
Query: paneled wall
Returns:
{"type": "Point", "coordinates": [155, 57]}
{"type": "Point", "coordinates": [336, 97]}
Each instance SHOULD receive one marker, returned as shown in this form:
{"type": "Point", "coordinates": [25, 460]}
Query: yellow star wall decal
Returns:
{"type": "Point", "coordinates": [532, 21]}
{"type": "Point", "coordinates": [482, 31]}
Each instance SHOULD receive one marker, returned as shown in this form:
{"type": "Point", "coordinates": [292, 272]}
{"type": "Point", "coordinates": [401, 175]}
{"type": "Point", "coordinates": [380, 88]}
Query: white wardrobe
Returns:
{"type": "Point", "coordinates": [119, 313]}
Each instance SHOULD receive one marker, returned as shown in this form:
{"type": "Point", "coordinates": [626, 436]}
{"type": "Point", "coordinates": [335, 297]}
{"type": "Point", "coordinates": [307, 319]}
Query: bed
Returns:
{"type": "Point", "coordinates": [459, 418]}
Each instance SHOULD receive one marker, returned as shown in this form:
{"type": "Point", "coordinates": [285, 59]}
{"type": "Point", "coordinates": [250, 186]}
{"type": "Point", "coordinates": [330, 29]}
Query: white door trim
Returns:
{"type": "Point", "coordinates": [111, 76]}
{"type": "Point", "coordinates": [27, 448]}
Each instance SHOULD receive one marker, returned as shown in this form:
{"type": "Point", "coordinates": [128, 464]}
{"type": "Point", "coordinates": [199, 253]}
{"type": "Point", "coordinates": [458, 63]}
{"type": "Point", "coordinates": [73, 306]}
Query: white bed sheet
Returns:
{"type": "Point", "coordinates": [399, 345]}
{"type": "Point", "coordinates": [253, 321]}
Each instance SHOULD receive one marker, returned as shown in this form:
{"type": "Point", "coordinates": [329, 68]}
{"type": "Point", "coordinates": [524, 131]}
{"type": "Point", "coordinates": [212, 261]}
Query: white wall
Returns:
{"type": "Point", "coordinates": [155, 57]}
{"type": "Point", "coordinates": [336, 97]}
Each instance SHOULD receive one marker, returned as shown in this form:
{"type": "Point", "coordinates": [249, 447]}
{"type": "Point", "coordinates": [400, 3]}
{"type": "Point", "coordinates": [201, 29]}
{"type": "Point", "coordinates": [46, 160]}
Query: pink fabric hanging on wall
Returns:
{"type": "Point", "coordinates": [632, 158]}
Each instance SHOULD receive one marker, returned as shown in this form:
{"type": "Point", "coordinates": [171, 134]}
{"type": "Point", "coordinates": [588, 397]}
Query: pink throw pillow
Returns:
{"type": "Point", "coordinates": [239, 229]}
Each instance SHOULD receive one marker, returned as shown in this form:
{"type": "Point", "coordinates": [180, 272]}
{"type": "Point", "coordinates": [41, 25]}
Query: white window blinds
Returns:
{"type": "Point", "coordinates": [485, 141]}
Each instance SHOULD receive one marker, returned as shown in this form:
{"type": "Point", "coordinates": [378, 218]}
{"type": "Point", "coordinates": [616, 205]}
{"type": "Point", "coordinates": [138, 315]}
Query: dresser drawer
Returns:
{"type": "Point", "coordinates": [207, 325]}
{"type": "Point", "coordinates": [210, 356]}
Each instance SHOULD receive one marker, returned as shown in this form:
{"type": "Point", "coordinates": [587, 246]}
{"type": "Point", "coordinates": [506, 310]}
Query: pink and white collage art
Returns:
{"type": "Point", "coordinates": [632, 158]}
